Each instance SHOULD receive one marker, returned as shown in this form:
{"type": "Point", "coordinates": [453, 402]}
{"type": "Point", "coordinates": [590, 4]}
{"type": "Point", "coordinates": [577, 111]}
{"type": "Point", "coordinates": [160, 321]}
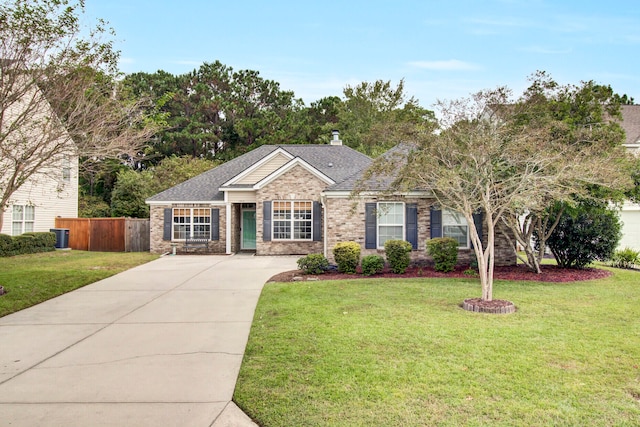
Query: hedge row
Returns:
{"type": "Point", "coordinates": [27, 243]}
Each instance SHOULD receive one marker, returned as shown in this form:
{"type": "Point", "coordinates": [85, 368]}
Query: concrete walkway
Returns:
{"type": "Point", "coordinates": [157, 345]}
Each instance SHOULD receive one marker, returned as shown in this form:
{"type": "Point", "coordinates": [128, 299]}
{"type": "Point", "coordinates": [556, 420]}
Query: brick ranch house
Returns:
{"type": "Point", "coordinates": [296, 200]}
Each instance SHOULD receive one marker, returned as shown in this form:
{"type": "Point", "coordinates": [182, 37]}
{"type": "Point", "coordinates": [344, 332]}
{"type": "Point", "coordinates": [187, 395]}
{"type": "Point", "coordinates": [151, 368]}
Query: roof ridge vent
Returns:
{"type": "Point", "coordinates": [335, 137]}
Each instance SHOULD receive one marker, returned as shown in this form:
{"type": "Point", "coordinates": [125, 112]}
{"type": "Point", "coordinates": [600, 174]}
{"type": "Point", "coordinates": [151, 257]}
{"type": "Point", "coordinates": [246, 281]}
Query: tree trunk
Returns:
{"type": "Point", "coordinates": [1, 217]}
{"type": "Point", "coordinates": [485, 257]}
{"type": "Point", "coordinates": [522, 234]}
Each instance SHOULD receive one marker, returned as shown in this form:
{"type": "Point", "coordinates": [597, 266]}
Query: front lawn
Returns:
{"type": "Point", "coordinates": [31, 279]}
{"type": "Point", "coordinates": [378, 352]}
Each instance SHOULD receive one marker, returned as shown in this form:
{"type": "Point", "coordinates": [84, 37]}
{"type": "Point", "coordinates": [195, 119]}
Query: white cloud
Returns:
{"type": "Point", "coordinates": [449, 65]}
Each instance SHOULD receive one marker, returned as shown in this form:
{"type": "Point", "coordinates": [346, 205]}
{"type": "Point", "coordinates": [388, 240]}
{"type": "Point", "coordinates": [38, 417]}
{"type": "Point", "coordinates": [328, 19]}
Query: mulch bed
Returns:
{"type": "Point", "coordinates": [550, 273]}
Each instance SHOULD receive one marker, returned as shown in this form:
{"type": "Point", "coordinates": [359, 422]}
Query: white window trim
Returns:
{"type": "Point", "coordinates": [292, 221]}
{"type": "Point", "coordinates": [466, 223]}
{"type": "Point", "coordinates": [378, 225]}
{"type": "Point", "coordinates": [23, 221]}
{"type": "Point", "coordinates": [191, 223]}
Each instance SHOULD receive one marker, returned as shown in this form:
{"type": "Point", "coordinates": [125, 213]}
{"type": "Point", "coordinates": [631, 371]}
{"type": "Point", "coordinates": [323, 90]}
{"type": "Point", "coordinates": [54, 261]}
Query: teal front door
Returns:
{"type": "Point", "coordinates": [248, 229]}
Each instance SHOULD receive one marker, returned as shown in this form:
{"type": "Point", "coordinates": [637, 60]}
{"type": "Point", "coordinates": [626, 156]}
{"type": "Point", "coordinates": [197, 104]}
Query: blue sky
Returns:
{"type": "Point", "coordinates": [442, 49]}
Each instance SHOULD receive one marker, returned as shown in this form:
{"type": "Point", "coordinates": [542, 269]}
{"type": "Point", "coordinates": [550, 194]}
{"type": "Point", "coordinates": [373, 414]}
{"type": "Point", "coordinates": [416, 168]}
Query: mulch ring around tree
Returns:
{"type": "Point", "coordinates": [550, 273]}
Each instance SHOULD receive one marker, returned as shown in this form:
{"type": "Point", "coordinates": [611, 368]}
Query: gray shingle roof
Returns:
{"type": "Point", "coordinates": [631, 123]}
{"type": "Point", "coordinates": [380, 181]}
{"type": "Point", "coordinates": [338, 162]}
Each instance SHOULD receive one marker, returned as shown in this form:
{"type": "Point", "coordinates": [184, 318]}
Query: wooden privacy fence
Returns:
{"type": "Point", "coordinates": [107, 234]}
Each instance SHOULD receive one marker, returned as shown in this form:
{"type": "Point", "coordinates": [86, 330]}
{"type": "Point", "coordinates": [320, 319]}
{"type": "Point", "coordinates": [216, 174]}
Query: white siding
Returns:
{"type": "Point", "coordinates": [241, 196]}
{"type": "Point", "coordinates": [264, 170]}
{"type": "Point", "coordinates": [630, 217]}
{"type": "Point", "coordinates": [50, 195]}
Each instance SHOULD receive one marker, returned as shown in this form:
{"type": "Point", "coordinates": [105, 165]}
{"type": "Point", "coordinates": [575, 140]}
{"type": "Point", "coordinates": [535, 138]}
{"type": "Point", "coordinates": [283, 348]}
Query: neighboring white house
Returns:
{"type": "Point", "coordinates": [35, 206]}
{"type": "Point", "coordinates": [630, 212]}
{"type": "Point", "coordinates": [52, 191]}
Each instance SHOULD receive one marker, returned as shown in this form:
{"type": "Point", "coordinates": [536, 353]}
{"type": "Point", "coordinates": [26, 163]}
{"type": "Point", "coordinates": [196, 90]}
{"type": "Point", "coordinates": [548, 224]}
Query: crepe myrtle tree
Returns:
{"type": "Point", "coordinates": [585, 118]}
{"type": "Point", "coordinates": [479, 159]}
{"type": "Point", "coordinates": [58, 81]}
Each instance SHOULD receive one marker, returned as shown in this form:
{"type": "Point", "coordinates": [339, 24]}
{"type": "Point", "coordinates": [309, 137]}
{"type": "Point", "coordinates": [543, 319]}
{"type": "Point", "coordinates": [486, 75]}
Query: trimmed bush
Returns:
{"type": "Point", "coordinates": [313, 264]}
{"type": "Point", "coordinates": [625, 258]}
{"type": "Point", "coordinates": [27, 243]}
{"type": "Point", "coordinates": [372, 264]}
{"type": "Point", "coordinates": [43, 240]}
{"type": "Point", "coordinates": [23, 244]}
{"type": "Point", "coordinates": [444, 251]}
{"type": "Point", "coordinates": [585, 233]}
{"type": "Point", "coordinates": [398, 255]}
{"type": "Point", "coordinates": [347, 256]}
{"type": "Point", "coordinates": [6, 245]}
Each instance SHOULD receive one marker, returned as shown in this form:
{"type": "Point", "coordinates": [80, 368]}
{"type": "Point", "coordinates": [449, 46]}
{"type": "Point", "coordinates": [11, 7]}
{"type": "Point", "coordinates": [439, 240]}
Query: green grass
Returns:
{"type": "Point", "coordinates": [31, 279]}
{"type": "Point", "coordinates": [403, 353]}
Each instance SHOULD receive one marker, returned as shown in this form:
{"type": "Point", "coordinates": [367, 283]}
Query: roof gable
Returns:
{"type": "Point", "coordinates": [261, 169]}
{"type": "Point", "coordinates": [290, 165]}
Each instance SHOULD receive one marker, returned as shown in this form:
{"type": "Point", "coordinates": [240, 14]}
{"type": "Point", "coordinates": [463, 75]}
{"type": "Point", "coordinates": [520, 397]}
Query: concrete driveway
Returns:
{"type": "Point", "coordinates": [158, 345]}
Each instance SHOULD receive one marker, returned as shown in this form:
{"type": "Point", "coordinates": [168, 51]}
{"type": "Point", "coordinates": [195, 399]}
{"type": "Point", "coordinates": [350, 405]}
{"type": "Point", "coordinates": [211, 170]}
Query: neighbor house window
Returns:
{"type": "Point", "coordinates": [66, 170]}
{"type": "Point", "coordinates": [292, 220]}
{"type": "Point", "coordinates": [23, 219]}
{"type": "Point", "coordinates": [455, 225]}
{"type": "Point", "coordinates": [390, 222]}
{"type": "Point", "coordinates": [191, 223]}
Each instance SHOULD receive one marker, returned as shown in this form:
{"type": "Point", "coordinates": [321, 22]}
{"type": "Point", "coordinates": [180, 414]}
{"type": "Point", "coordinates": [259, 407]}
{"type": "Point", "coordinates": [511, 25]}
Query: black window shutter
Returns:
{"type": "Point", "coordinates": [477, 221]}
{"type": "Point", "coordinates": [436, 223]}
{"type": "Point", "coordinates": [412, 224]}
{"type": "Point", "coordinates": [317, 222]}
{"type": "Point", "coordinates": [266, 221]}
{"type": "Point", "coordinates": [168, 218]}
{"type": "Point", "coordinates": [215, 224]}
{"type": "Point", "coordinates": [370, 220]}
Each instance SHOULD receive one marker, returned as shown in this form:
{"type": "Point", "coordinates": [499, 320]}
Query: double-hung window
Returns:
{"type": "Point", "coordinates": [191, 223]}
{"type": "Point", "coordinates": [455, 225]}
{"type": "Point", "coordinates": [23, 219]}
{"type": "Point", "coordinates": [390, 222]}
{"type": "Point", "coordinates": [292, 220]}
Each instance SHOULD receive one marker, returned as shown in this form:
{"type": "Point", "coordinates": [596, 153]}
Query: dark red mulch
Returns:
{"type": "Point", "coordinates": [550, 273]}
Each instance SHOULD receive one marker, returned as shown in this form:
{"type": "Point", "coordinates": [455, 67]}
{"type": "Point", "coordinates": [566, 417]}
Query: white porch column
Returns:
{"type": "Point", "coordinates": [228, 228]}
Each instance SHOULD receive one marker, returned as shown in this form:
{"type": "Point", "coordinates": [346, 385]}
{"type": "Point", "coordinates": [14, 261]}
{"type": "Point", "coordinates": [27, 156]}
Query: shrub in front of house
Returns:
{"type": "Point", "coordinates": [585, 233]}
{"type": "Point", "coordinates": [23, 244]}
{"type": "Point", "coordinates": [27, 243]}
{"type": "Point", "coordinates": [398, 255]}
{"type": "Point", "coordinates": [347, 256]}
{"type": "Point", "coordinates": [313, 264]}
{"type": "Point", "coordinates": [625, 258]}
{"type": "Point", "coordinates": [43, 241]}
{"type": "Point", "coordinates": [6, 245]}
{"type": "Point", "coordinates": [372, 264]}
{"type": "Point", "coordinates": [444, 251]}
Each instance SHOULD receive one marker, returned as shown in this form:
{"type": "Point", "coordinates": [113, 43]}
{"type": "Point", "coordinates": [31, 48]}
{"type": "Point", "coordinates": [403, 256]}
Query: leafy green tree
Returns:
{"type": "Point", "coordinates": [215, 112]}
{"type": "Point", "coordinates": [574, 115]}
{"type": "Point", "coordinates": [376, 116]}
{"type": "Point", "coordinates": [585, 233]}
{"type": "Point", "coordinates": [131, 190]}
{"type": "Point", "coordinates": [174, 170]}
